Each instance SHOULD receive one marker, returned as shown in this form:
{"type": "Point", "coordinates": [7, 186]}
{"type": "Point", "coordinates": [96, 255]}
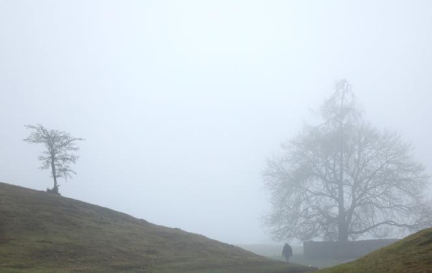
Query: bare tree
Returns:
{"type": "Point", "coordinates": [344, 178]}
{"type": "Point", "coordinates": [58, 154]}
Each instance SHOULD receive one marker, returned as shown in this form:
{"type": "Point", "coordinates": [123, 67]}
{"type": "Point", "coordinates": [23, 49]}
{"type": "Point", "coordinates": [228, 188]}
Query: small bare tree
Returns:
{"type": "Point", "coordinates": [345, 178]}
{"type": "Point", "coordinates": [58, 154]}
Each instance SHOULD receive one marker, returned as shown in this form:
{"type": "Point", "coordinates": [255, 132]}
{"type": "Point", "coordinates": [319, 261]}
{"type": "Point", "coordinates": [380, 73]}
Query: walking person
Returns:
{"type": "Point", "coordinates": [287, 252]}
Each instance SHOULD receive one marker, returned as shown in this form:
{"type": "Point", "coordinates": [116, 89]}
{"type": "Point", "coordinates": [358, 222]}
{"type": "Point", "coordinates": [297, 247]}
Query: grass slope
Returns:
{"type": "Point", "coordinates": [412, 254]}
{"type": "Point", "coordinates": [41, 232]}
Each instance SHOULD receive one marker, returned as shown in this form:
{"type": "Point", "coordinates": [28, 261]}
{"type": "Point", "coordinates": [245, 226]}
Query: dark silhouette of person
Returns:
{"type": "Point", "coordinates": [287, 252]}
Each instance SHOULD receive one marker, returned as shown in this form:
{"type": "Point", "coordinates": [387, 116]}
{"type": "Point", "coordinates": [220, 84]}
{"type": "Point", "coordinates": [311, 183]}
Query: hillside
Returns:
{"type": "Point", "coordinates": [41, 232]}
{"type": "Point", "coordinates": [412, 254]}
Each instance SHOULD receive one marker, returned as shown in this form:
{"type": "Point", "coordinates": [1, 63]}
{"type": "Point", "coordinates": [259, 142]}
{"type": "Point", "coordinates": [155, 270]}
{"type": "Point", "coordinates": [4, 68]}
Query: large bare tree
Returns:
{"type": "Point", "coordinates": [345, 178]}
{"type": "Point", "coordinates": [58, 155]}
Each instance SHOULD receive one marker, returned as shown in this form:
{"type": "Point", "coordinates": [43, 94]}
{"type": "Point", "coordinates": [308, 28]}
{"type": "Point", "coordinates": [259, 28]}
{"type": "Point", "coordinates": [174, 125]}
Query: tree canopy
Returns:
{"type": "Point", "coordinates": [345, 178]}
{"type": "Point", "coordinates": [59, 153]}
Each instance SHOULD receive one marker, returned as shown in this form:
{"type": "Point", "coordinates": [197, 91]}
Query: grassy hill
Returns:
{"type": "Point", "coordinates": [412, 254]}
{"type": "Point", "coordinates": [41, 232]}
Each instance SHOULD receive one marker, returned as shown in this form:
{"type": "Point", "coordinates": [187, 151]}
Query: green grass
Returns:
{"type": "Point", "coordinates": [412, 254]}
{"type": "Point", "coordinates": [41, 232]}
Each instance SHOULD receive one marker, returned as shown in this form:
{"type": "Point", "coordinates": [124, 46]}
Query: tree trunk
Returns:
{"type": "Point", "coordinates": [342, 225]}
{"type": "Point", "coordinates": [53, 170]}
{"type": "Point", "coordinates": [343, 232]}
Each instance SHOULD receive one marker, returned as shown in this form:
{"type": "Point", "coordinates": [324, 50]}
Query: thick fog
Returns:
{"type": "Point", "coordinates": [181, 102]}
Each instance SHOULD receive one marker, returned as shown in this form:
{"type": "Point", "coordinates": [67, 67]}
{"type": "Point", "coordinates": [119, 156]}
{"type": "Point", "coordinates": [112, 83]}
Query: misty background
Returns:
{"type": "Point", "coordinates": [181, 102]}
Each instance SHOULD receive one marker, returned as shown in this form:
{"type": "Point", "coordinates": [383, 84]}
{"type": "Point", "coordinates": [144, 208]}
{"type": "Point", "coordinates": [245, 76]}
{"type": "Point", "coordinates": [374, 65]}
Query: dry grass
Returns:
{"type": "Point", "coordinates": [41, 232]}
{"type": "Point", "coordinates": [412, 254]}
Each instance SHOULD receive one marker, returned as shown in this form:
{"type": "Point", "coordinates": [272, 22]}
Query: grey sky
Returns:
{"type": "Point", "coordinates": [181, 102]}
